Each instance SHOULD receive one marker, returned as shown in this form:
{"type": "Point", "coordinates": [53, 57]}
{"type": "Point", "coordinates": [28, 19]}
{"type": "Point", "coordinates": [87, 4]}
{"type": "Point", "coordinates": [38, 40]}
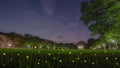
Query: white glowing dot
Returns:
{"type": "Point", "coordinates": [73, 61]}
{"type": "Point", "coordinates": [85, 61]}
{"type": "Point", "coordinates": [54, 58]}
{"type": "Point", "coordinates": [27, 57]}
{"type": "Point", "coordinates": [117, 63]}
{"type": "Point", "coordinates": [90, 47]}
{"type": "Point", "coordinates": [38, 51]}
{"type": "Point", "coordinates": [113, 41]}
{"type": "Point", "coordinates": [49, 54]}
{"type": "Point", "coordinates": [95, 54]}
{"type": "Point", "coordinates": [78, 58]}
{"type": "Point", "coordinates": [93, 63]}
{"type": "Point", "coordinates": [38, 63]}
{"type": "Point", "coordinates": [99, 46]}
{"type": "Point", "coordinates": [46, 61]}
{"type": "Point", "coordinates": [81, 53]}
{"type": "Point", "coordinates": [106, 58]}
{"type": "Point", "coordinates": [18, 54]}
{"type": "Point", "coordinates": [70, 53]}
{"type": "Point", "coordinates": [4, 53]}
{"type": "Point", "coordinates": [60, 60]}
{"type": "Point", "coordinates": [105, 51]}
{"type": "Point", "coordinates": [58, 52]}
{"type": "Point", "coordinates": [116, 58]}
{"type": "Point", "coordinates": [35, 47]}
{"type": "Point", "coordinates": [11, 59]}
{"type": "Point", "coordinates": [3, 64]}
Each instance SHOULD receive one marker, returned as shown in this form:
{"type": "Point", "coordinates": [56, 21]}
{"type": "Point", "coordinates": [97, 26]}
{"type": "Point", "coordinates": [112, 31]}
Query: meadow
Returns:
{"type": "Point", "coordinates": [42, 58]}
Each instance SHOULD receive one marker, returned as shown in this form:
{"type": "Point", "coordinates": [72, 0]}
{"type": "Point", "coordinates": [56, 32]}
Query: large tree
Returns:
{"type": "Point", "coordinates": [102, 17]}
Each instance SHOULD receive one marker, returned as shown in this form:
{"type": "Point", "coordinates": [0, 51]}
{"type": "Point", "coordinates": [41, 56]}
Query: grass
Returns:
{"type": "Point", "coordinates": [29, 58]}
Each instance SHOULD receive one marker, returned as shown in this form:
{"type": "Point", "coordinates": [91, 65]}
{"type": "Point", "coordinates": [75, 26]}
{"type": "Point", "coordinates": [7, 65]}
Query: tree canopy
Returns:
{"type": "Point", "coordinates": [102, 17]}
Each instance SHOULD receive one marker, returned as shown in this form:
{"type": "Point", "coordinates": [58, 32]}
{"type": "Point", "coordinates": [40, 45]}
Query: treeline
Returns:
{"type": "Point", "coordinates": [33, 42]}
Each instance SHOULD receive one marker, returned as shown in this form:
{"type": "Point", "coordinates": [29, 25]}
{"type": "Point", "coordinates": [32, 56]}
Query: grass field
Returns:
{"type": "Point", "coordinates": [29, 58]}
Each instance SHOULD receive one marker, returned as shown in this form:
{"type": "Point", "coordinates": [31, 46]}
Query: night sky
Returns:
{"type": "Point", "coordinates": [56, 20]}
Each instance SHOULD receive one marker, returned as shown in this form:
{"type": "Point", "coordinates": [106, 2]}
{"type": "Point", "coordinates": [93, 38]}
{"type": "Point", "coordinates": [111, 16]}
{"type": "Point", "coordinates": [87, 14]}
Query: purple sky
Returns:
{"type": "Point", "coordinates": [56, 20]}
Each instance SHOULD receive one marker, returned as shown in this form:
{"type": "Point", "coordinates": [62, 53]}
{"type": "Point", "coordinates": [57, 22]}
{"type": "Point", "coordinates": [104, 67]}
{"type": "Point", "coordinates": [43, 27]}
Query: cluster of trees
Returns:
{"type": "Point", "coordinates": [102, 17]}
{"type": "Point", "coordinates": [34, 42]}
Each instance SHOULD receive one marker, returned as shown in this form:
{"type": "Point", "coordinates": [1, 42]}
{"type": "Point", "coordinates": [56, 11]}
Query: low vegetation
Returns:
{"type": "Point", "coordinates": [29, 58]}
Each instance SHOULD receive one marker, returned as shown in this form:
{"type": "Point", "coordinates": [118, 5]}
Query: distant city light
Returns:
{"type": "Point", "coordinates": [113, 41]}
{"type": "Point", "coordinates": [80, 47]}
{"type": "Point", "coordinates": [99, 46]}
{"type": "Point", "coordinates": [40, 46]}
{"type": "Point", "coordinates": [9, 45]}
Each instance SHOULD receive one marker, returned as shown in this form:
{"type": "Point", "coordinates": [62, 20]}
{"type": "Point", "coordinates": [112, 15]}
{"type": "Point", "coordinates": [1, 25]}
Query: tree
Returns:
{"type": "Point", "coordinates": [31, 41]}
{"type": "Point", "coordinates": [102, 17]}
{"type": "Point", "coordinates": [91, 42]}
{"type": "Point", "coordinates": [100, 14]}
{"type": "Point", "coordinates": [16, 38]}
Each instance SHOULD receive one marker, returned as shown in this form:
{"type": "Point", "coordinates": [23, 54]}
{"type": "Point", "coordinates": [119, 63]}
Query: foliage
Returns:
{"type": "Point", "coordinates": [34, 42]}
{"type": "Point", "coordinates": [16, 38]}
{"type": "Point", "coordinates": [27, 58]}
{"type": "Point", "coordinates": [91, 42]}
{"type": "Point", "coordinates": [102, 17]}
